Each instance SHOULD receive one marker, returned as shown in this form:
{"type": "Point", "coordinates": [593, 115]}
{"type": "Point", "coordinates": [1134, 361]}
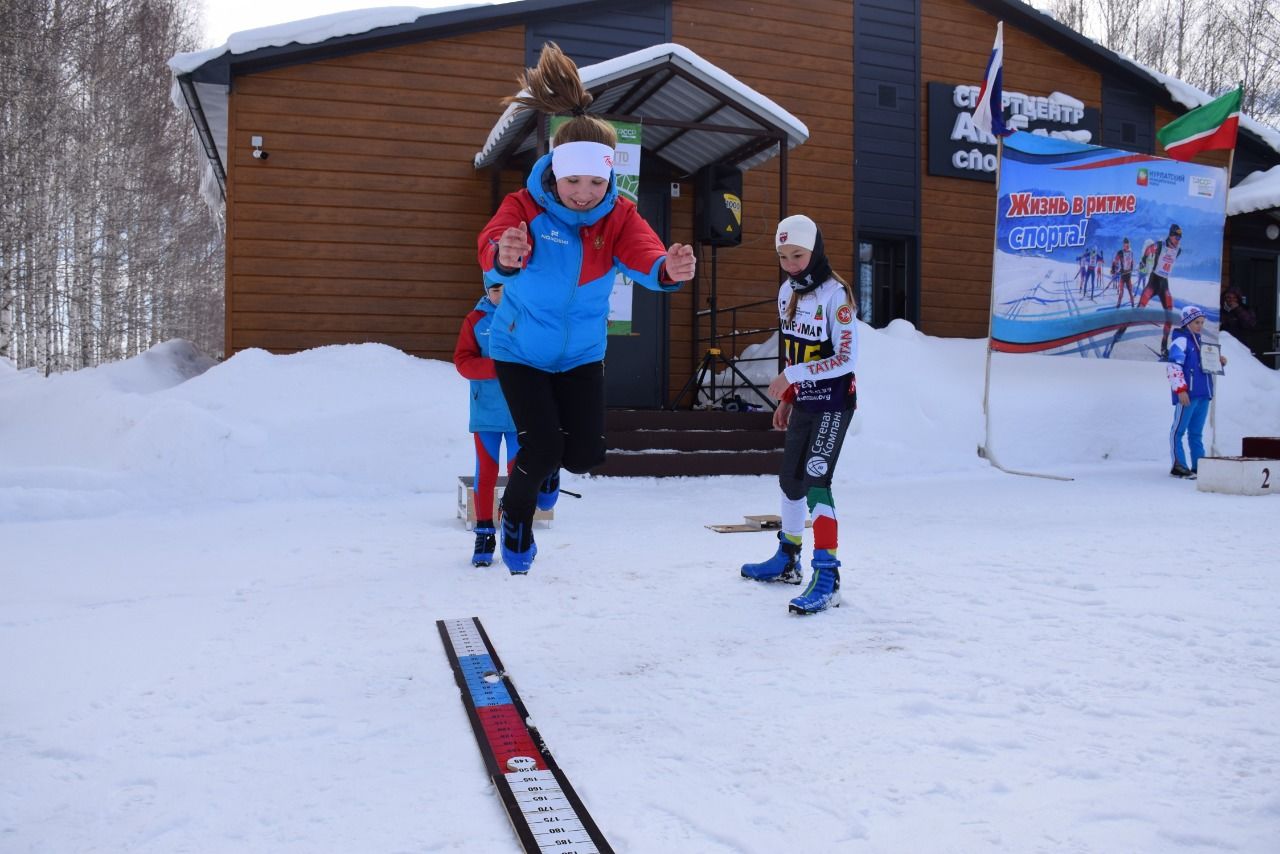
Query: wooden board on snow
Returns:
{"type": "Point", "coordinates": [752, 523]}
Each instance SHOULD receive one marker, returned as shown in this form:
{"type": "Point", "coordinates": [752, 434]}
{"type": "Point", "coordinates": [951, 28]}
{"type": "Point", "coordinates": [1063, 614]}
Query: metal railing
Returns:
{"type": "Point", "coordinates": [709, 391]}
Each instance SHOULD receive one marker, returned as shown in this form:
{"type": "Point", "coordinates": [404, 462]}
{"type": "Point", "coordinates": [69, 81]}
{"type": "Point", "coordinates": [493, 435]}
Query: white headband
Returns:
{"type": "Point", "coordinates": [581, 158]}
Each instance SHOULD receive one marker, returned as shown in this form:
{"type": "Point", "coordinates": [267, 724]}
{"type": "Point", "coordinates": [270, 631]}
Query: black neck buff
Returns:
{"type": "Point", "coordinates": [818, 271]}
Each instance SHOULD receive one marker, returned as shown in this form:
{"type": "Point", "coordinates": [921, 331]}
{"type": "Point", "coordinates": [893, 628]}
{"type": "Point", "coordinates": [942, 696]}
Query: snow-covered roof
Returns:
{"type": "Point", "coordinates": [1257, 191]}
{"type": "Point", "coordinates": [697, 92]}
{"type": "Point", "coordinates": [309, 31]}
{"type": "Point", "coordinates": [1191, 97]}
{"type": "Point", "coordinates": [207, 100]}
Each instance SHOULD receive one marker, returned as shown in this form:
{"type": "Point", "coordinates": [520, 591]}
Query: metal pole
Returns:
{"type": "Point", "coordinates": [1213, 401]}
{"type": "Point", "coordinates": [986, 451]}
{"type": "Point", "coordinates": [713, 349]}
{"type": "Point", "coordinates": [991, 313]}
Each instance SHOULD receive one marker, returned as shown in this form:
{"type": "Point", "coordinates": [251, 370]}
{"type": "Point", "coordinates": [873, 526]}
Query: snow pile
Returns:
{"type": "Point", "coordinates": [168, 428]}
{"type": "Point", "coordinates": [134, 435]}
{"type": "Point", "coordinates": [920, 404]}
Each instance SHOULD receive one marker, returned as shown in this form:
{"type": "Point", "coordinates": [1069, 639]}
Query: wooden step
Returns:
{"type": "Point", "coordinates": [685, 419]}
{"type": "Point", "coordinates": [690, 443]}
{"type": "Point", "coordinates": [689, 464]}
{"type": "Point", "coordinates": [1267, 447]}
{"type": "Point", "coordinates": [696, 440]}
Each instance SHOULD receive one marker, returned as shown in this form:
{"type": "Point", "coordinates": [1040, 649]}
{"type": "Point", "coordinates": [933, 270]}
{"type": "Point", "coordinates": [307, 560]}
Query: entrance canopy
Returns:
{"type": "Point", "coordinates": [694, 114]}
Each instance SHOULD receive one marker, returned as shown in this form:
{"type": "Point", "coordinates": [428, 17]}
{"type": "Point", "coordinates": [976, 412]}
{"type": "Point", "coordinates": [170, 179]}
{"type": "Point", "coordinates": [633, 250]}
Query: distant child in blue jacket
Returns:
{"type": "Point", "coordinates": [490, 418]}
{"type": "Point", "coordinates": [557, 245]}
{"type": "Point", "coordinates": [1192, 390]}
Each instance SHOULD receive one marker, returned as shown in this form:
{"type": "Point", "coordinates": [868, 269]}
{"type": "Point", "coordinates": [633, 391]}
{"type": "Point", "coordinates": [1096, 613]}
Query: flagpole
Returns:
{"type": "Point", "coordinates": [994, 119]}
{"type": "Point", "coordinates": [985, 450]}
{"type": "Point", "coordinates": [1213, 401]}
{"type": "Point", "coordinates": [1184, 138]}
{"type": "Point", "coordinates": [988, 115]}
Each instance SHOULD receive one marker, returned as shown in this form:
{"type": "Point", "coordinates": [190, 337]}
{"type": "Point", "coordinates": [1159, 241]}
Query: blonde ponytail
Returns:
{"type": "Point", "coordinates": [554, 87]}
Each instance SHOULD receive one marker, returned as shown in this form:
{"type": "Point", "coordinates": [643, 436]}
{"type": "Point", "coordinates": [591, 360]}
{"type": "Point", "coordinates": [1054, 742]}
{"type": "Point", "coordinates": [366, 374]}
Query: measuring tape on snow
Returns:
{"type": "Point", "coordinates": [545, 812]}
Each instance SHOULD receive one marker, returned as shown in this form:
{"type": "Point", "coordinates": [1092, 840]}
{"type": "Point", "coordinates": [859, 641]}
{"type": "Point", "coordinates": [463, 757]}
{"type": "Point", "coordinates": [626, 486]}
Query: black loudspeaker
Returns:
{"type": "Point", "coordinates": [717, 209]}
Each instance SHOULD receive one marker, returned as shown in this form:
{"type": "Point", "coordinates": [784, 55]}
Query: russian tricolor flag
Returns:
{"type": "Point", "coordinates": [988, 115]}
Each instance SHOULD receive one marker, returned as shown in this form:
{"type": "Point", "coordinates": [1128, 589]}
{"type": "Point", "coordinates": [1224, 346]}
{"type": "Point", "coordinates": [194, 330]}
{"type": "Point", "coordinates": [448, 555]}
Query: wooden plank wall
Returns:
{"type": "Point", "coordinates": [804, 63]}
{"type": "Point", "coordinates": [957, 218]}
{"type": "Point", "coordinates": [362, 223]}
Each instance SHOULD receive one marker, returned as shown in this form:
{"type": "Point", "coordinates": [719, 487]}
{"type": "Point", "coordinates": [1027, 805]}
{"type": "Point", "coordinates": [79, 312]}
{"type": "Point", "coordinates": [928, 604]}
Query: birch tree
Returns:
{"type": "Point", "coordinates": [1211, 44]}
{"type": "Point", "coordinates": [105, 245]}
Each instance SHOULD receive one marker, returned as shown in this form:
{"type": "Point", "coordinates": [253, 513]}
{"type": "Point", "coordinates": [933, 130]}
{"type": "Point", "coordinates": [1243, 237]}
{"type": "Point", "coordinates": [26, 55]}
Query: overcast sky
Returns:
{"type": "Point", "coordinates": [224, 17]}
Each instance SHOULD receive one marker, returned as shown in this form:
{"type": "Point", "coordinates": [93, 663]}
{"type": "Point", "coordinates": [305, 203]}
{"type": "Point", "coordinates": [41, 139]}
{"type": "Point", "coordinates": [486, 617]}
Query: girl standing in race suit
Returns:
{"type": "Point", "coordinates": [556, 247]}
{"type": "Point", "coordinates": [817, 397]}
{"type": "Point", "coordinates": [1192, 389]}
{"type": "Point", "coordinates": [490, 419]}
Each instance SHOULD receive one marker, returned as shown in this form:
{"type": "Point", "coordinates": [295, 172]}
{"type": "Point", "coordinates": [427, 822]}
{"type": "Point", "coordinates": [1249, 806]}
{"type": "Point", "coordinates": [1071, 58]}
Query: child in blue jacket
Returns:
{"type": "Point", "coordinates": [1192, 389]}
{"type": "Point", "coordinates": [490, 421]}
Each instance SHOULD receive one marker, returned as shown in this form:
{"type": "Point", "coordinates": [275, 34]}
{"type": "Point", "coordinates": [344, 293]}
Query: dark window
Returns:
{"type": "Point", "coordinates": [883, 281]}
{"type": "Point", "coordinates": [1128, 133]}
{"type": "Point", "coordinates": [888, 96]}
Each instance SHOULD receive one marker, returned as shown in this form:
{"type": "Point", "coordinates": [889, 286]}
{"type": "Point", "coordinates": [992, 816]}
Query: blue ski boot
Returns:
{"type": "Point", "coordinates": [486, 543]}
{"type": "Point", "coordinates": [518, 548]}
{"type": "Point", "coordinates": [784, 566]}
{"type": "Point", "coordinates": [549, 491]}
{"type": "Point", "coordinates": [823, 591]}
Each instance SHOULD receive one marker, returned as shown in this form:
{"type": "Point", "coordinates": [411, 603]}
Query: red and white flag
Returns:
{"type": "Point", "coordinates": [1206, 128]}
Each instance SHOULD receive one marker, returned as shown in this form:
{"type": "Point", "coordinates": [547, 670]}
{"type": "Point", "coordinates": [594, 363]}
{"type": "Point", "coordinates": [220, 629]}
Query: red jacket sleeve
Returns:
{"type": "Point", "coordinates": [466, 353]}
{"type": "Point", "coordinates": [515, 209]}
{"type": "Point", "coordinates": [638, 247]}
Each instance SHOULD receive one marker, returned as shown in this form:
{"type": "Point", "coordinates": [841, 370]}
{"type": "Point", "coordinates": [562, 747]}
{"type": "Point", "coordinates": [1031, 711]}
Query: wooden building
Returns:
{"type": "Point", "coordinates": [359, 224]}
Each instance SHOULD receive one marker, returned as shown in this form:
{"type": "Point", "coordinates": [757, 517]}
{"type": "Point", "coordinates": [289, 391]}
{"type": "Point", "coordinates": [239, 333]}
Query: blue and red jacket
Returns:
{"type": "Point", "coordinates": [489, 412]}
{"type": "Point", "coordinates": [1184, 369]}
{"type": "Point", "coordinates": [555, 308]}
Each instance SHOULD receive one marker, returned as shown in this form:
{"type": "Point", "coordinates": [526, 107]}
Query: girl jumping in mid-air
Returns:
{"type": "Point", "coordinates": [557, 245]}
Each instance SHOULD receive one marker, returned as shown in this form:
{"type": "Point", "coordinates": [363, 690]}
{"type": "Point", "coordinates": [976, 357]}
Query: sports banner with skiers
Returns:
{"type": "Point", "coordinates": [1098, 250]}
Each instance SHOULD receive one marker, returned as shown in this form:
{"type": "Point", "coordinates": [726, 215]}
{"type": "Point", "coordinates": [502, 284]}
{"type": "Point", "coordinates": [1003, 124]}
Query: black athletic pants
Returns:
{"type": "Point", "coordinates": [811, 450]}
{"type": "Point", "coordinates": [560, 423]}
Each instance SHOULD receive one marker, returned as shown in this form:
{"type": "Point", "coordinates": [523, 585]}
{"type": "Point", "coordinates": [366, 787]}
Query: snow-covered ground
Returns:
{"type": "Point", "coordinates": [220, 586]}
